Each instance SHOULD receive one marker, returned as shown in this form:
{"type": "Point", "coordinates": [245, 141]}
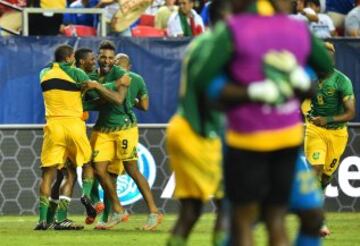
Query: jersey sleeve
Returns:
{"type": "Point", "coordinates": [80, 77]}
{"type": "Point", "coordinates": [118, 72]}
{"type": "Point", "coordinates": [212, 58]}
{"type": "Point", "coordinates": [110, 85]}
{"type": "Point", "coordinates": [143, 92]}
{"type": "Point", "coordinates": [346, 88]}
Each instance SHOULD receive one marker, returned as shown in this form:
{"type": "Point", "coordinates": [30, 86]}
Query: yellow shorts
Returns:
{"type": "Point", "coordinates": [65, 138]}
{"type": "Point", "coordinates": [118, 145]}
{"type": "Point", "coordinates": [116, 167]}
{"type": "Point", "coordinates": [325, 146]}
{"type": "Point", "coordinates": [195, 160]}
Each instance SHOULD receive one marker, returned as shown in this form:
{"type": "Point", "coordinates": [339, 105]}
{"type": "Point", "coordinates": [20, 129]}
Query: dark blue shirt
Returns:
{"type": "Point", "coordinates": [81, 19]}
{"type": "Point", "coordinates": [340, 6]}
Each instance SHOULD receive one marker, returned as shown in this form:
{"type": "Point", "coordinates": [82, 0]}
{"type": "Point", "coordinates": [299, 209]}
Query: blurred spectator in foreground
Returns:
{"type": "Point", "coordinates": [186, 22]}
{"type": "Point", "coordinates": [352, 22]}
{"type": "Point", "coordinates": [324, 28]}
{"type": "Point", "coordinates": [11, 19]}
{"type": "Point", "coordinates": [338, 9]}
{"type": "Point", "coordinates": [81, 19]}
{"type": "Point", "coordinates": [164, 13]}
{"type": "Point", "coordinates": [47, 23]}
{"type": "Point", "coordinates": [300, 13]}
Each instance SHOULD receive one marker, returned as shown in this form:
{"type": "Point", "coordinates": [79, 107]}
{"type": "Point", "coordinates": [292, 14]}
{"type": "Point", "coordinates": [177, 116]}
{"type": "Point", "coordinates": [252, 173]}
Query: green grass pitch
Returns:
{"type": "Point", "coordinates": [17, 230]}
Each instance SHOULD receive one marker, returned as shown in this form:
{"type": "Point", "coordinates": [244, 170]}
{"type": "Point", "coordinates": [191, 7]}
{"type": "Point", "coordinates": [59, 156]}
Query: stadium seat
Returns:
{"type": "Point", "coordinates": [79, 31]}
{"type": "Point", "coordinates": [147, 20]}
{"type": "Point", "coordinates": [147, 31]}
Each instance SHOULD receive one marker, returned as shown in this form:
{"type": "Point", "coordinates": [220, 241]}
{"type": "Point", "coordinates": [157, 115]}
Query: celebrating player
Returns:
{"type": "Point", "coordinates": [65, 132]}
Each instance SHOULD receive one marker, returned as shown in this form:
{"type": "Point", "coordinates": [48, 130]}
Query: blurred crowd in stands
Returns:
{"type": "Point", "coordinates": [172, 18]}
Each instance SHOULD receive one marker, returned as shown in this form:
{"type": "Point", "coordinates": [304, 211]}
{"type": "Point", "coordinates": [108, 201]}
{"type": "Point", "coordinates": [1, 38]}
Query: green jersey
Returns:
{"type": "Point", "coordinates": [330, 96]}
{"type": "Point", "coordinates": [137, 89]}
{"type": "Point", "coordinates": [114, 117]}
{"type": "Point", "coordinates": [193, 107]}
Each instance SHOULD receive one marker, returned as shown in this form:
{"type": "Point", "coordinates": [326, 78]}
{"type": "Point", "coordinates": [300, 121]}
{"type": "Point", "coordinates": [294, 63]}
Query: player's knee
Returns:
{"type": "Point", "coordinates": [311, 221]}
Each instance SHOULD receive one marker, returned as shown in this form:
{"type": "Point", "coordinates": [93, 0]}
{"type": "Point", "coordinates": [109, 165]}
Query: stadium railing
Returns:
{"type": "Point", "coordinates": [27, 11]}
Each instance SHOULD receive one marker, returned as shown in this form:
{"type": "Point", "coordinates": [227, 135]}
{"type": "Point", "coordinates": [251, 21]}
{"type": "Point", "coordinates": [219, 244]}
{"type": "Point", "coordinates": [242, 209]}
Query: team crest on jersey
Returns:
{"type": "Point", "coordinates": [316, 155]}
{"type": "Point", "coordinates": [331, 91]}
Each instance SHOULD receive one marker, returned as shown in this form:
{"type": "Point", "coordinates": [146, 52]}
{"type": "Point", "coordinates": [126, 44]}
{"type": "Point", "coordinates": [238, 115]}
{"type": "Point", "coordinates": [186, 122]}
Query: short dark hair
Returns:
{"type": "Point", "coordinates": [316, 2]}
{"type": "Point", "coordinates": [81, 53]}
{"type": "Point", "coordinates": [107, 45]}
{"type": "Point", "coordinates": [63, 51]}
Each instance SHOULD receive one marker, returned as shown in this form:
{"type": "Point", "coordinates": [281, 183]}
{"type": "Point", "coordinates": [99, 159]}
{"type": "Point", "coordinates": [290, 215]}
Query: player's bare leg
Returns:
{"type": "Point", "coordinates": [109, 187]}
{"type": "Point", "coordinates": [155, 217]}
{"type": "Point", "coordinates": [311, 222]}
{"type": "Point", "coordinates": [324, 181]}
{"type": "Point", "coordinates": [47, 177]}
{"type": "Point", "coordinates": [275, 223]}
{"type": "Point", "coordinates": [242, 219]}
{"type": "Point", "coordinates": [189, 214]}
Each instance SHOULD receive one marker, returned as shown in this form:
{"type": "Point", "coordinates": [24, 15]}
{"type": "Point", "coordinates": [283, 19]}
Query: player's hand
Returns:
{"type": "Point", "coordinates": [125, 80]}
{"type": "Point", "coordinates": [319, 121]}
{"type": "Point", "coordinates": [90, 85]}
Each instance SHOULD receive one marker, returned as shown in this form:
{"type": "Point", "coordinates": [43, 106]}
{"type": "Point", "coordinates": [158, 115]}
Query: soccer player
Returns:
{"type": "Point", "coordinates": [138, 97]}
{"type": "Point", "coordinates": [262, 140]}
{"type": "Point", "coordinates": [65, 132]}
{"type": "Point", "coordinates": [66, 178]}
{"type": "Point", "coordinates": [326, 132]}
{"type": "Point", "coordinates": [194, 143]}
{"type": "Point", "coordinates": [114, 135]}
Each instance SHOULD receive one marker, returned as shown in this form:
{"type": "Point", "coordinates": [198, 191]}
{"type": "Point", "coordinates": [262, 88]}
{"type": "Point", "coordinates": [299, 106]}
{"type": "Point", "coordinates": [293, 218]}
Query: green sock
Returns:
{"type": "Point", "coordinates": [61, 214]}
{"type": "Point", "coordinates": [176, 241]}
{"type": "Point", "coordinates": [87, 186]}
{"type": "Point", "coordinates": [94, 195]}
{"type": "Point", "coordinates": [219, 238]}
{"type": "Point", "coordinates": [53, 204]}
{"type": "Point", "coordinates": [106, 212]}
{"type": "Point", "coordinates": [43, 208]}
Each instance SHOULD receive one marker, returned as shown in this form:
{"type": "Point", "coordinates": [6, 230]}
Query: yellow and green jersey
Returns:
{"type": "Point", "coordinates": [60, 84]}
{"type": "Point", "coordinates": [330, 96]}
{"type": "Point", "coordinates": [193, 100]}
{"type": "Point", "coordinates": [112, 117]}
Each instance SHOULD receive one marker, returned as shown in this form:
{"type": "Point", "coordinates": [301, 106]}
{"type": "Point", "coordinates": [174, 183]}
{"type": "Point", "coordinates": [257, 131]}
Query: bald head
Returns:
{"type": "Point", "coordinates": [123, 60]}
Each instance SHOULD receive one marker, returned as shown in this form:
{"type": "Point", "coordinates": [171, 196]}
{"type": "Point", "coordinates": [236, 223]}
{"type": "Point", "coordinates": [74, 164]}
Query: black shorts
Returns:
{"type": "Point", "coordinates": [261, 177]}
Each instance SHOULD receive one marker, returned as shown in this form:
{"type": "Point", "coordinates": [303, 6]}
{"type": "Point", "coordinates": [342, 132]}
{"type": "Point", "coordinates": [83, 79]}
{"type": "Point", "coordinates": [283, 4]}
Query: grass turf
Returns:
{"type": "Point", "coordinates": [18, 230]}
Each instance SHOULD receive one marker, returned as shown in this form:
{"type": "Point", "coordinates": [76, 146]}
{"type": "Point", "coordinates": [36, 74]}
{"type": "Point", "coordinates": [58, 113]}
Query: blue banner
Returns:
{"type": "Point", "coordinates": [157, 60]}
{"type": "Point", "coordinates": [22, 58]}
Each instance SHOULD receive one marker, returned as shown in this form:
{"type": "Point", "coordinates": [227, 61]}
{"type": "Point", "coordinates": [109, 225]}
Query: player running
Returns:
{"type": "Point", "coordinates": [326, 133]}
